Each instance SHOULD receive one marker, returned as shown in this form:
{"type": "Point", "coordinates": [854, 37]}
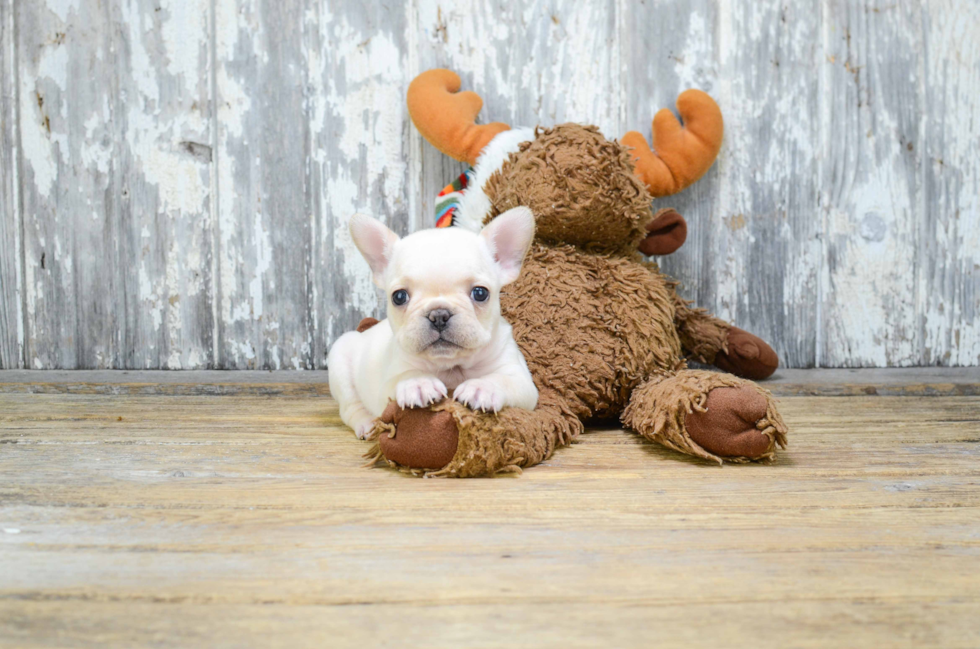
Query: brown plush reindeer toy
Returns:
{"type": "Point", "coordinates": [604, 333]}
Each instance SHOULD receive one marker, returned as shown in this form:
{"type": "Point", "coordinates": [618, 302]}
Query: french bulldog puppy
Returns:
{"type": "Point", "coordinates": [444, 331]}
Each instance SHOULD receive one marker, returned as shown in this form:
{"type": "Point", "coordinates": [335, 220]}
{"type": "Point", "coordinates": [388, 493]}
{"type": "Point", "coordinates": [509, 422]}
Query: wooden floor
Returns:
{"type": "Point", "coordinates": [137, 514]}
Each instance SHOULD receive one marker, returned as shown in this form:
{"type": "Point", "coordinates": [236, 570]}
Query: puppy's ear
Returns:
{"type": "Point", "coordinates": [375, 242]}
{"type": "Point", "coordinates": [509, 237]}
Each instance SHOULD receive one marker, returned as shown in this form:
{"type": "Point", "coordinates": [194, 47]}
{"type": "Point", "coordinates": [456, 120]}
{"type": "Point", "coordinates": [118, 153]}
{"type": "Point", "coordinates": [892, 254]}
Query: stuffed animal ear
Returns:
{"type": "Point", "coordinates": [509, 237]}
{"type": "Point", "coordinates": [375, 242]}
{"type": "Point", "coordinates": [666, 233]}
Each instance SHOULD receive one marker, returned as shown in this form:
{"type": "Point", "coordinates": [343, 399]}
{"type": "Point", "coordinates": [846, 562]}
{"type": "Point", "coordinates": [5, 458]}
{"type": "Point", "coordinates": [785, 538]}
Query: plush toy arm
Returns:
{"type": "Point", "coordinates": [681, 154]}
{"type": "Point", "coordinates": [450, 440]}
{"type": "Point", "coordinates": [710, 340]}
{"type": "Point", "coordinates": [702, 334]}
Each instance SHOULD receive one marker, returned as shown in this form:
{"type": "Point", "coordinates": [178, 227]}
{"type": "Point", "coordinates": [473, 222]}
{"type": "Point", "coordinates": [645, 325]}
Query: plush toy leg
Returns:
{"type": "Point", "coordinates": [451, 440]}
{"type": "Point", "coordinates": [709, 415]}
{"type": "Point", "coordinates": [708, 339]}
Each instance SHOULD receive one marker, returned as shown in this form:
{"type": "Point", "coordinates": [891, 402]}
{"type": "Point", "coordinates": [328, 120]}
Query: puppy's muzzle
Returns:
{"type": "Point", "coordinates": [439, 318]}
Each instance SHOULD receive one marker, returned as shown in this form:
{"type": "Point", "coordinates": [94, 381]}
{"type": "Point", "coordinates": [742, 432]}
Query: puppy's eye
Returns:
{"type": "Point", "coordinates": [480, 294]}
{"type": "Point", "coordinates": [399, 297]}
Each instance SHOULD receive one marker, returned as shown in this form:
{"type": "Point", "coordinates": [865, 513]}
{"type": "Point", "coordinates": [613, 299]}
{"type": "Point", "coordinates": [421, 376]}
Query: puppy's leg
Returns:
{"type": "Point", "coordinates": [340, 364]}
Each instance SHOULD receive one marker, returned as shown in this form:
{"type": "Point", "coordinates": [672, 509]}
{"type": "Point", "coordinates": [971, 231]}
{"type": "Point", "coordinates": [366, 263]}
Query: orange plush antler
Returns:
{"type": "Point", "coordinates": [683, 153]}
{"type": "Point", "coordinates": [446, 118]}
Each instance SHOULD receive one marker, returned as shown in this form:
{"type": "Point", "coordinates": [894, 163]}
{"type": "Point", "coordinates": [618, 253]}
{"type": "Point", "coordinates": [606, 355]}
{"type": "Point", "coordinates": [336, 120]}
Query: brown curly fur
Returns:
{"type": "Point", "coordinates": [702, 335]}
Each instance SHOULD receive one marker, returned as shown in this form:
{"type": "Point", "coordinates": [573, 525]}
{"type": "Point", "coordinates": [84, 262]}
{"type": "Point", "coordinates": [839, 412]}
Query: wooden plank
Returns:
{"type": "Point", "coordinates": [360, 65]}
{"type": "Point", "coordinates": [895, 623]}
{"type": "Point", "coordinates": [265, 274]}
{"type": "Point", "coordinates": [948, 280]}
{"type": "Point", "coordinates": [764, 249]}
{"type": "Point", "coordinates": [67, 203]}
{"type": "Point", "coordinates": [161, 239]}
{"type": "Point", "coordinates": [11, 303]}
{"type": "Point", "coordinates": [871, 183]}
{"type": "Point", "coordinates": [113, 104]}
{"type": "Point", "coordinates": [251, 522]}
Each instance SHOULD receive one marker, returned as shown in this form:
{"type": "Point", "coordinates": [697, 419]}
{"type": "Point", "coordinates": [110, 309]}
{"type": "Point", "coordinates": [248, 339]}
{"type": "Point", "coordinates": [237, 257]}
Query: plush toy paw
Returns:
{"type": "Point", "coordinates": [480, 394]}
{"type": "Point", "coordinates": [727, 427]}
{"type": "Point", "coordinates": [423, 439]}
{"type": "Point", "coordinates": [419, 392]}
{"type": "Point", "coordinates": [748, 356]}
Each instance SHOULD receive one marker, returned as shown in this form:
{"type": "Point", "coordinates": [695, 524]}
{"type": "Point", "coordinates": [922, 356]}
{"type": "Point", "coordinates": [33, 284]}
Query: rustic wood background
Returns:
{"type": "Point", "coordinates": [175, 176]}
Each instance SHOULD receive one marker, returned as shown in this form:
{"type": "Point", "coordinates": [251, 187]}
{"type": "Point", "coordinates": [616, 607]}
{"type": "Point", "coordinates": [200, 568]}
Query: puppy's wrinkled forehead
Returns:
{"type": "Point", "coordinates": [440, 257]}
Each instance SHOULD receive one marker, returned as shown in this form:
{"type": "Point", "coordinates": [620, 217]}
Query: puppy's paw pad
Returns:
{"type": "Point", "coordinates": [420, 392]}
{"type": "Point", "coordinates": [480, 394]}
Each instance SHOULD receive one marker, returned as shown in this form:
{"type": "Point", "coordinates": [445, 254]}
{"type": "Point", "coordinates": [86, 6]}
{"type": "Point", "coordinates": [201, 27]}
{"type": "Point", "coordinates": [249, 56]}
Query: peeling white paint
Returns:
{"type": "Point", "coordinates": [180, 179]}
{"type": "Point", "coordinates": [62, 8]}
{"type": "Point", "coordinates": [263, 261]}
{"type": "Point", "coordinates": [39, 142]}
{"type": "Point", "coordinates": [183, 32]}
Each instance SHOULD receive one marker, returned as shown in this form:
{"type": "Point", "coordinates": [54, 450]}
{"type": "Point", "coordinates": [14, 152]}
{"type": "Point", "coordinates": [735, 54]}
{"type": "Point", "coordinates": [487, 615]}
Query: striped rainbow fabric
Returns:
{"type": "Point", "coordinates": [447, 202]}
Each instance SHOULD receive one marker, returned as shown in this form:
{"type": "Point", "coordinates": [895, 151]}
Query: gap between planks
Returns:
{"type": "Point", "coordinates": [919, 381]}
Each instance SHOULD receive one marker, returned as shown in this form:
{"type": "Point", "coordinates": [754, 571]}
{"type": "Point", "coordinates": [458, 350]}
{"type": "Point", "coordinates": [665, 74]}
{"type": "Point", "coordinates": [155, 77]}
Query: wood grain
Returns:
{"type": "Point", "coordinates": [871, 185]}
{"type": "Point", "coordinates": [948, 280]}
{"type": "Point", "coordinates": [764, 251]}
{"type": "Point", "coordinates": [176, 177]}
{"type": "Point", "coordinates": [11, 252]}
{"type": "Point", "coordinates": [233, 521]}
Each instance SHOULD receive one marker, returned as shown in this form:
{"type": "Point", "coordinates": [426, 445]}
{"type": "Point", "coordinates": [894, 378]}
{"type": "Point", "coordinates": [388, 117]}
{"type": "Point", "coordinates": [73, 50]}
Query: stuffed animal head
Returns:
{"type": "Point", "coordinates": [584, 190]}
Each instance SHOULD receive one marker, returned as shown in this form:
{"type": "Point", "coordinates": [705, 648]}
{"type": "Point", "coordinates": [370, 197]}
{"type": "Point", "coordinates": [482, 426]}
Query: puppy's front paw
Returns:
{"type": "Point", "coordinates": [420, 392]}
{"type": "Point", "coordinates": [480, 394]}
{"type": "Point", "coordinates": [363, 429]}
{"type": "Point", "coordinates": [361, 421]}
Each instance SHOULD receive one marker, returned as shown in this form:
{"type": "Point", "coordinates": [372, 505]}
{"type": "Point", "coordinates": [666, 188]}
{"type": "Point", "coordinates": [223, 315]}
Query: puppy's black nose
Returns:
{"type": "Point", "coordinates": [439, 318]}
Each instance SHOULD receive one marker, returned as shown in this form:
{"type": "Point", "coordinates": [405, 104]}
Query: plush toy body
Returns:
{"type": "Point", "coordinates": [603, 332]}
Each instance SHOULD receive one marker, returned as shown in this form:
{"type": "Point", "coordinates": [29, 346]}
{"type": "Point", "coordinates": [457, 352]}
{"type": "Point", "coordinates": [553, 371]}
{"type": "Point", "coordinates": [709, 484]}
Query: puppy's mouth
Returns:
{"type": "Point", "coordinates": [443, 347]}
{"type": "Point", "coordinates": [441, 343]}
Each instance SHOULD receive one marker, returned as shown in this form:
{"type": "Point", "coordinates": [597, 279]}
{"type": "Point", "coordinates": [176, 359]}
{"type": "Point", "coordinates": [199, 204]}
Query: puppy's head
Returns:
{"type": "Point", "coordinates": [443, 285]}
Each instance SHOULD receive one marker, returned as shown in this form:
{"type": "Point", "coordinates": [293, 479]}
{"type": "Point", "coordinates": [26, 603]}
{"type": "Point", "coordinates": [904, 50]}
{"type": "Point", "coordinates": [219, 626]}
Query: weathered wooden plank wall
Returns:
{"type": "Point", "coordinates": [176, 175]}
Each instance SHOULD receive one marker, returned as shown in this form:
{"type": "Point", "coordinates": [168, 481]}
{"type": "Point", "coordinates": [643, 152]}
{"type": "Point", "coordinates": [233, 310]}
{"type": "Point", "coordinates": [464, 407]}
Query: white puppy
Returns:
{"type": "Point", "coordinates": [444, 329]}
